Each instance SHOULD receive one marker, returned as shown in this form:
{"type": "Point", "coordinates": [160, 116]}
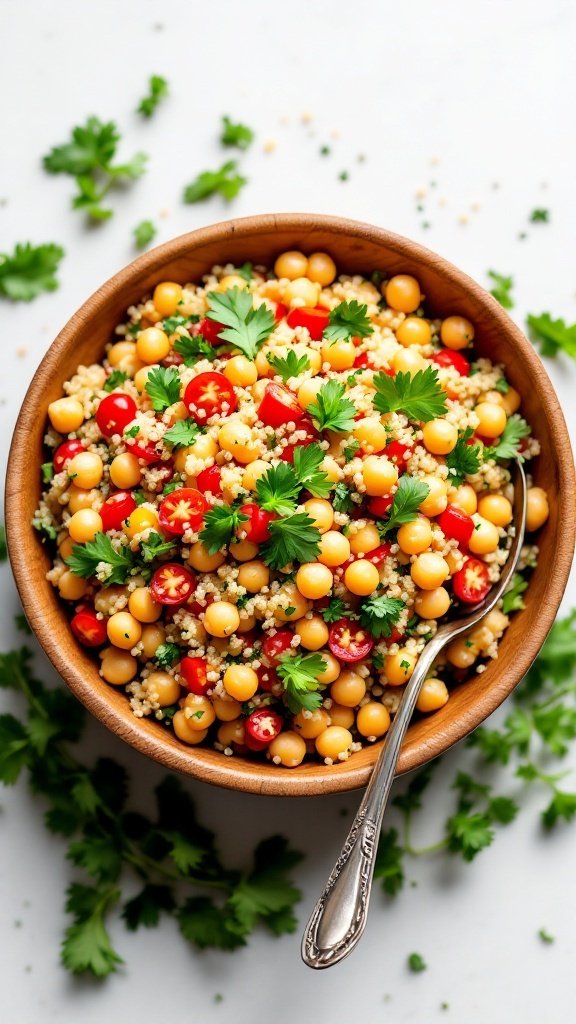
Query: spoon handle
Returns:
{"type": "Point", "coordinates": [339, 917]}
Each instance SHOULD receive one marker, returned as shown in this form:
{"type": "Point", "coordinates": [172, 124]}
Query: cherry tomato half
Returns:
{"type": "Point", "coordinates": [172, 584]}
{"type": "Point", "coordinates": [362, 362]}
{"type": "Point", "coordinates": [446, 357]}
{"type": "Point", "coordinates": [210, 330]}
{"type": "Point", "coordinates": [90, 631]}
{"type": "Point", "coordinates": [208, 394]}
{"type": "Point", "coordinates": [456, 525]}
{"type": "Point", "coordinates": [114, 413]}
{"type": "Point", "coordinates": [181, 510]}
{"type": "Point", "coordinates": [267, 677]}
{"type": "Point", "coordinates": [146, 452]}
{"type": "Point", "coordinates": [209, 480]}
{"type": "Point", "coordinates": [379, 554]}
{"type": "Point", "coordinates": [399, 454]}
{"type": "Point", "coordinates": [471, 583]}
{"type": "Point", "coordinates": [256, 527]}
{"type": "Point", "coordinates": [263, 725]}
{"type": "Point", "coordinates": [277, 644]}
{"type": "Point", "coordinates": [315, 320]}
{"type": "Point", "coordinates": [348, 642]}
{"type": "Point", "coordinates": [195, 674]}
{"type": "Point", "coordinates": [311, 434]}
{"type": "Point", "coordinates": [116, 509]}
{"type": "Point", "coordinates": [280, 312]}
{"type": "Point", "coordinates": [66, 451]}
{"type": "Point", "coordinates": [380, 507]}
{"type": "Point", "coordinates": [279, 406]}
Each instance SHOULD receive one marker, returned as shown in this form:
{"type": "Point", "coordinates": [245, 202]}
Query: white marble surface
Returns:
{"type": "Point", "coordinates": [487, 91]}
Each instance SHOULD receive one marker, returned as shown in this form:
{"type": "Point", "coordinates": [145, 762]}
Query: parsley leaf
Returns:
{"type": "Point", "coordinates": [350, 450]}
{"type": "Point", "coordinates": [502, 289]}
{"type": "Point", "coordinates": [502, 386]}
{"type": "Point", "coordinates": [468, 834]}
{"type": "Point", "coordinates": [194, 348]}
{"type": "Point", "coordinates": [47, 472]}
{"type": "Point", "coordinates": [464, 459]}
{"type": "Point", "coordinates": [29, 270]}
{"type": "Point", "coordinates": [144, 233]}
{"type": "Point", "coordinates": [167, 654]}
{"type": "Point", "coordinates": [157, 90]}
{"type": "Point", "coordinates": [410, 494]}
{"type": "Point", "coordinates": [86, 558]}
{"type": "Point", "coordinates": [245, 327]}
{"type": "Point", "coordinates": [342, 499]}
{"type": "Point", "coordinates": [416, 963]}
{"type": "Point", "coordinates": [513, 600]}
{"type": "Point", "coordinates": [225, 181]}
{"type": "Point", "coordinates": [277, 490]}
{"type": "Point", "coordinates": [235, 134]}
{"type": "Point", "coordinates": [294, 538]}
{"type": "Point", "coordinates": [419, 396]}
{"type": "Point", "coordinates": [163, 387]}
{"type": "Point", "coordinates": [331, 411]}
{"type": "Point", "coordinates": [307, 460]}
{"type": "Point", "coordinates": [347, 320]}
{"type": "Point", "coordinates": [290, 365]}
{"type": "Point", "coordinates": [379, 614]}
{"type": "Point", "coordinates": [298, 674]}
{"type": "Point", "coordinates": [508, 446]}
{"type": "Point", "coordinates": [220, 524]}
{"type": "Point", "coordinates": [335, 610]}
{"type": "Point", "coordinates": [554, 336]}
{"type": "Point", "coordinates": [540, 216]}
{"type": "Point", "coordinates": [183, 433]}
{"type": "Point", "coordinates": [115, 380]}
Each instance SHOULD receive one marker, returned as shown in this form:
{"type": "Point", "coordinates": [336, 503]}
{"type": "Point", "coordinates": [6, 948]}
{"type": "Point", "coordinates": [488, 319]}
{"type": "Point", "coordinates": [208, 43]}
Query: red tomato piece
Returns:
{"type": "Point", "coordinates": [446, 357]}
{"type": "Point", "coordinates": [380, 507]}
{"type": "Point", "coordinates": [116, 509]}
{"type": "Point", "coordinates": [279, 406]}
{"type": "Point", "coordinates": [267, 677]}
{"type": "Point", "coordinates": [256, 528]}
{"type": "Point", "coordinates": [66, 451]}
{"type": "Point", "coordinates": [379, 554]}
{"type": "Point", "coordinates": [399, 454]}
{"type": "Point", "coordinates": [348, 642]}
{"type": "Point", "coordinates": [172, 359]}
{"type": "Point", "coordinates": [195, 674]}
{"type": "Point", "coordinates": [181, 510]}
{"type": "Point", "coordinates": [146, 452]}
{"type": "Point", "coordinates": [280, 312]}
{"type": "Point", "coordinates": [362, 362]}
{"type": "Point", "coordinates": [456, 525]}
{"type": "Point", "coordinates": [263, 725]}
{"type": "Point", "coordinates": [90, 631]}
{"type": "Point", "coordinates": [249, 744]}
{"type": "Point", "coordinates": [198, 607]}
{"type": "Point", "coordinates": [471, 583]}
{"type": "Point", "coordinates": [114, 413]}
{"type": "Point", "coordinates": [172, 584]}
{"type": "Point", "coordinates": [310, 434]}
{"type": "Point", "coordinates": [209, 480]}
{"type": "Point", "coordinates": [210, 329]}
{"type": "Point", "coordinates": [315, 320]}
{"type": "Point", "coordinates": [209, 394]}
{"type": "Point", "coordinates": [277, 644]}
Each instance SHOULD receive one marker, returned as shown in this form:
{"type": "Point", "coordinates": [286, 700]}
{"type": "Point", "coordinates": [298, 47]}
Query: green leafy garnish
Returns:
{"type": "Point", "coordinates": [379, 615]}
{"type": "Point", "coordinates": [277, 490]}
{"type": "Point", "coordinates": [307, 462]}
{"type": "Point", "coordinates": [347, 320]}
{"type": "Point", "coordinates": [416, 963]}
{"type": "Point", "coordinates": [194, 348]}
{"type": "Point", "coordinates": [419, 396]}
{"type": "Point", "coordinates": [554, 336]}
{"type": "Point", "coordinates": [545, 937]}
{"type": "Point", "coordinates": [163, 387]}
{"type": "Point", "coordinates": [29, 271]}
{"type": "Point", "coordinates": [299, 676]}
{"type": "Point", "coordinates": [502, 386]}
{"type": "Point", "coordinates": [410, 494]}
{"type": "Point", "coordinates": [464, 459]}
{"type": "Point", "coordinates": [388, 866]}
{"type": "Point", "coordinates": [235, 134]}
{"type": "Point", "coordinates": [502, 289]}
{"type": "Point", "coordinates": [289, 366]}
{"type": "Point", "coordinates": [182, 434]}
{"type": "Point", "coordinates": [155, 546]}
{"type": "Point", "coordinates": [335, 610]}
{"type": "Point", "coordinates": [47, 472]}
{"type": "Point", "coordinates": [225, 181]}
{"type": "Point", "coordinates": [513, 600]}
{"type": "Point", "coordinates": [157, 90]}
{"type": "Point", "coordinates": [100, 552]}
{"type": "Point", "coordinates": [245, 327]}
{"type": "Point", "coordinates": [294, 538]}
{"type": "Point", "coordinates": [342, 499]}
{"type": "Point", "coordinates": [331, 411]}
{"type": "Point", "coordinates": [540, 216]}
{"type": "Point", "coordinates": [167, 654]}
{"type": "Point", "coordinates": [144, 233]}
{"type": "Point", "coordinates": [115, 380]}
{"type": "Point", "coordinates": [351, 450]}
{"type": "Point", "coordinates": [220, 524]}
{"type": "Point", "coordinates": [508, 446]}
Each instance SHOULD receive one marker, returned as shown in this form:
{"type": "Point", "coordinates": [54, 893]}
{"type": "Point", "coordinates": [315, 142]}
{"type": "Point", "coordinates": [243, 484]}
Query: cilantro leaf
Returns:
{"type": "Point", "coordinates": [114, 380]}
{"type": "Point", "coordinates": [182, 434]}
{"type": "Point", "coordinates": [347, 320]}
{"type": "Point", "coordinates": [379, 614]}
{"type": "Point", "coordinates": [298, 674]}
{"type": "Point", "coordinates": [220, 524]}
{"type": "Point", "coordinates": [14, 747]}
{"type": "Point", "coordinates": [277, 490]}
{"type": "Point", "coordinates": [87, 945]}
{"type": "Point", "coordinates": [86, 559]}
{"type": "Point", "coordinates": [513, 600]}
{"type": "Point", "coordinates": [468, 834]}
{"type": "Point", "coordinates": [143, 910]}
{"type": "Point", "coordinates": [410, 494]}
{"type": "Point", "coordinates": [554, 336]}
{"type": "Point", "coordinates": [331, 411]}
{"type": "Point", "coordinates": [464, 459]}
{"type": "Point", "coordinates": [194, 348]}
{"type": "Point", "coordinates": [502, 289]}
{"type": "Point", "coordinates": [267, 893]}
{"type": "Point", "coordinates": [290, 365]}
{"type": "Point", "coordinates": [335, 610]}
{"type": "Point", "coordinates": [144, 233]}
{"type": "Point", "coordinates": [163, 387]}
{"type": "Point", "coordinates": [419, 396]}
{"type": "Point", "coordinates": [235, 134]}
{"type": "Point", "coordinates": [293, 538]}
{"type": "Point", "coordinates": [225, 181]}
{"type": "Point", "coordinates": [245, 327]}
{"type": "Point", "coordinates": [29, 270]}
{"type": "Point", "coordinates": [307, 462]}
{"type": "Point", "coordinates": [540, 216]}
{"type": "Point", "coordinates": [167, 654]}
{"type": "Point", "coordinates": [562, 806]}
{"type": "Point", "coordinates": [204, 924]}
{"type": "Point", "coordinates": [389, 868]}
{"type": "Point", "coordinates": [157, 90]}
{"type": "Point", "coordinates": [508, 447]}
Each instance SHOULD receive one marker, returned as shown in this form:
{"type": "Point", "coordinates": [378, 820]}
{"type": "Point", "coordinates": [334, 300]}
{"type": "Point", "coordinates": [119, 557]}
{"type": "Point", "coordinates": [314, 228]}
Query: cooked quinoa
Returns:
{"type": "Point", "coordinates": [268, 494]}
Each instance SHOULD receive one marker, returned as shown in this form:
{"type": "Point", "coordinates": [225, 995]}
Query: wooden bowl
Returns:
{"type": "Point", "coordinates": [356, 248]}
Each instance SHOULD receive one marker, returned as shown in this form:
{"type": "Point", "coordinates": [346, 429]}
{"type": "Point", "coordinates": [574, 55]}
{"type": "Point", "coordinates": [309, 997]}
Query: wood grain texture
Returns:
{"type": "Point", "coordinates": [357, 248]}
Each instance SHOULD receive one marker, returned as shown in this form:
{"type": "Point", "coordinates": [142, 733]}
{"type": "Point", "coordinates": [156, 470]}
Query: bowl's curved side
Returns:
{"type": "Point", "coordinates": [356, 248]}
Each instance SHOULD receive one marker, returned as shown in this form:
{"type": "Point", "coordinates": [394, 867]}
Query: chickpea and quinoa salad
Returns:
{"type": "Point", "coordinates": [268, 494]}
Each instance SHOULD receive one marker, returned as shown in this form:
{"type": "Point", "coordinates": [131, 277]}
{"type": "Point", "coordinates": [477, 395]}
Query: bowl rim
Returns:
{"type": "Point", "coordinates": [286, 782]}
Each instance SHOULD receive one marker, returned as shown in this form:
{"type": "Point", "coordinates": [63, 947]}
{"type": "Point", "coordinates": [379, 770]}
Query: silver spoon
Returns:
{"type": "Point", "coordinates": [339, 917]}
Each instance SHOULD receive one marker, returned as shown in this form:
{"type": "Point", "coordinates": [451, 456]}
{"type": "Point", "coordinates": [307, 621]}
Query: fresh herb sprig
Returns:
{"type": "Point", "coordinates": [292, 538]}
{"type": "Point", "coordinates": [235, 134]}
{"type": "Point", "coordinates": [290, 365]}
{"type": "Point", "coordinates": [144, 233]}
{"type": "Point", "coordinates": [502, 288]}
{"type": "Point", "coordinates": [29, 270]}
{"type": "Point", "coordinates": [100, 556]}
{"type": "Point", "coordinates": [348, 320]}
{"type": "Point", "coordinates": [226, 182]}
{"type": "Point", "coordinates": [379, 614]}
{"type": "Point", "coordinates": [553, 336]}
{"type": "Point", "coordinates": [163, 387]}
{"type": "Point", "coordinates": [157, 91]}
{"type": "Point", "coordinates": [298, 674]}
{"type": "Point", "coordinates": [419, 396]}
{"type": "Point", "coordinates": [465, 459]}
{"type": "Point", "coordinates": [410, 494]}
{"type": "Point", "coordinates": [331, 410]}
{"type": "Point", "coordinates": [245, 327]}
{"type": "Point", "coordinates": [508, 446]}
{"type": "Point", "coordinates": [220, 525]}
{"type": "Point", "coordinates": [278, 489]}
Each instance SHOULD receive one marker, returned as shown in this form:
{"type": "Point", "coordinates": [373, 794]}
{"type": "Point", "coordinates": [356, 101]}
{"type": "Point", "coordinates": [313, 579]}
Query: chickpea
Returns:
{"type": "Point", "coordinates": [65, 548]}
{"type": "Point", "coordinates": [439, 436]}
{"type": "Point", "coordinates": [231, 281]}
{"type": "Point", "coordinates": [142, 605]}
{"type": "Point", "coordinates": [247, 622]}
{"type": "Point", "coordinates": [301, 292]}
{"type": "Point", "coordinates": [152, 345]}
{"type": "Point", "coordinates": [288, 749]}
{"type": "Point", "coordinates": [415, 537]}
{"type": "Point", "coordinates": [308, 391]}
{"type": "Point", "coordinates": [253, 472]}
{"type": "Point", "coordinates": [491, 396]}
{"type": "Point", "coordinates": [333, 741]}
{"type": "Point", "coordinates": [226, 710]}
{"type": "Point", "coordinates": [70, 587]}
{"type": "Point", "coordinates": [456, 332]}
{"type": "Point", "coordinates": [184, 732]}
{"type": "Point", "coordinates": [379, 475]}
{"type": "Point", "coordinates": [77, 498]}
{"type": "Point", "coordinates": [402, 292]}
{"type": "Point", "coordinates": [312, 355]}
{"type": "Point", "coordinates": [342, 716]}
{"type": "Point", "coordinates": [461, 652]}
{"type": "Point", "coordinates": [429, 570]}
{"type": "Point", "coordinates": [200, 559]}
{"type": "Point", "coordinates": [84, 525]}
{"type": "Point", "coordinates": [496, 509]}
{"type": "Point", "coordinates": [241, 371]}
{"type": "Point", "coordinates": [221, 618]}
{"type": "Point", "coordinates": [321, 512]}
{"type": "Point", "coordinates": [432, 696]}
{"type": "Point", "coordinates": [111, 599]}
{"type": "Point", "coordinates": [339, 355]}
{"type": "Point", "coordinates": [373, 719]}
{"type": "Point", "coordinates": [485, 537]}
{"type": "Point", "coordinates": [311, 726]}
{"type": "Point", "coordinates": [291, 598]}
{"type": "Point", "coordinates": [361, 577]}
{"type": "Point", "coordinates": [432, 604]}
{"type": "Point", "coordinates": [399, 667]}
{"type": "Point", "coordinates": [237, 437]}
{"type": "Point", "coordinates": [464, 498]}
{"type": "Point", "coordinates": [314, 580]}
{"type": "Point", "coordinates": [254, 576]}
{"type": "Point", "coordinates": [481, 637]}
{"type": "Point", "coordinates": [125, 471]}
{"type": "Point", "coordinates": [123, 356]}
{"type": "Point", "coordinates": [437, 498]}
{"type": "Point", "coordinates": [408, 360]}
{"type": "Point", "coordinates": [139, 520]}
{"type": "Point", "coordinates": [244, 550]}
{"type": "Point", "coordinates": [163, 688]}
{"type": "Point", "coordinates": [511, 401]}
{"type": "Point", "coordinates": [123, 630]}
{"type": "Point", "coordinates": [141, 376]}
{"type": "Point", "coordinates": [264, 370]}
{"type": "Point", "coordinates": [334, 548]}
{"type": "Point", "coordinates": [332, 670]}
{"type": "Point", "coordinates": [331, 468]}
{"type": "Point", "coordinates": [198, 711]}
{"type": "Point", "coordinates": [496, 622]}
{"type": "Point", "coordinates": [414, 330]}
{"type": "Point", "coordinates": [537, 508]}
{"type": "Point", "coordinates": [240, 681]}
{"type": "Point", "coordinates": [321, 268]}
{"type": "Point", "coordinates": [167, 295]}
{"type": "Point", "coordinates": [365, 539]}
{"type": "Point", "coordinates": [153, 635]}
{"type": "Point", "coordinates": [349, 689]}
{"type": "Point", "coordinates": [66, 415]}
{"type": "Point", "coordinates": [454, 560]}
{"type": "Point", "coordinates": [86, 470]}
{"type": "Point", "coordinates": [291, 264]}
{"type": "Point", "coordinates": [492, 419]}
{"type": "Point", "coordinates": [118, 667]}
{"type": "Point", "coordinates": [313, 632]}
{"type": "Point", "coordinates": [231, 732]}
{"type": "Point", "coordinates": [371, 434]}
{"type": "Point", "coordinates": [204, 447]}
